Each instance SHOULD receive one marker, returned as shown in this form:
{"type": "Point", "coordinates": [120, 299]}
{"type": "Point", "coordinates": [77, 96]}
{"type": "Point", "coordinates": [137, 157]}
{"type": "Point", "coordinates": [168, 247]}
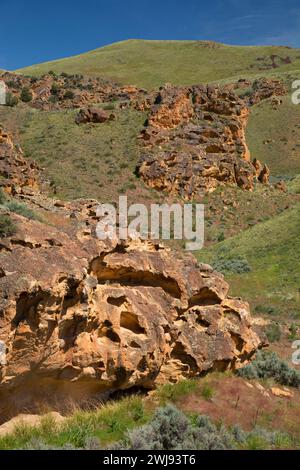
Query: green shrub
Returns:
{"type": "Point", "coordinates": [273, 332]}
{"type": "Point", "coordinates": [293, 329]}
{"type": "Point", "coordinates": [7, 227]}
{"type": "Point", "coordinates": [267, 365]}
{"type": "Point", "coordinates": [55, 89]}
{"type": "Point", "coordinates": [205, 435]}
{"type": "Point", "coordinates": [165, 432]}
{"type": "Point", "coordinates": [260, 439]}
{"type": "Point", "coordinates": [170, 429]}
{"type": "Point", "coordinates": [2, 197]}
{"type": "Point", "coordinates": [26, 95]}
{"type": "Point", "coordinates": [207, 392]}
{"type": "Point", "coordinates": [231, 265]}
{"type": "Point", "coordinates": [172, 392]}
{"type": "Point", "coordinates": [221, 237]}
{"type": "Point", "coordinates": [21, 209]}
{"type": "Point", "coordinates": [11, 100]}
{"type": "Point", "coordinates": [12, 84]}
{"type": "Point", "coordinates": [268, 309]}
{"type": "Point", "coordinates": [69, 95]}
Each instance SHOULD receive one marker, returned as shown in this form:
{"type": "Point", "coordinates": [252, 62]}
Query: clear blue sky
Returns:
{"type": "Point", "coordinates": [33, 31]}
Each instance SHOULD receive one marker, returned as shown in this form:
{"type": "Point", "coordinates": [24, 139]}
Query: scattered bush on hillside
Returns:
{"type": "Point", "coordinates": [69, 95]}
{"type": "Point", "coordinates": [293, 329]}
{"type": "Point", "coordinates": [11, 100]}
{"type": "Point", "coordinates": [170, 429]}
{"type": "Point", "coordinates": [21, 209]}
{"type": "Point", "coordinates": [55, 89]}
{"type": "Point", "coordinates": [2, 197]}
{"type": "Point", "coordinates": [221, 237]}
{"type": "Point", "coordinates": [172, 392]}
{"type": "Point", "coordinates": [7, 227]}
{"type": "Point", "coordinates": [236, 265]}
{"type": "Point", "coordinates": [207, 392]}
{"type": "Point", "coordinates": [267, 309]}
{"type": "Point", "coordinates": [273, 332]}
{"type": "Point", "coordinates": [267, 365]}
{"type": "Point", "coordinates": [12, 84]}
{"type": "Point", "coordinates": [26, 95]}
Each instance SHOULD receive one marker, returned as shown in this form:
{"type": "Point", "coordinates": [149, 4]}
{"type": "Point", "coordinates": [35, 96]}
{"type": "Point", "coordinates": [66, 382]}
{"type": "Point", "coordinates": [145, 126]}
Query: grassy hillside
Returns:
{"type": "Point", "coordinates": [271, 250]}
{"type": "Point", "coordinates": [88, 161]}
{"type": "Point", "coordinates": [152, 63]}
{"type": "Point", "coordinates": [273, 136]}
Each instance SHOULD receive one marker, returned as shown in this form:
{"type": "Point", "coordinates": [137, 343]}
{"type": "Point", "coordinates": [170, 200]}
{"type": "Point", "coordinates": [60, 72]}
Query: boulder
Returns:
{"type": "Point", "coordinates": [93, 115]}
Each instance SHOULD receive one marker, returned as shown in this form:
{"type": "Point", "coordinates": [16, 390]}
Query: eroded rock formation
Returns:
{"type": "Point", "coordinates": [17, 173]}
{"type": "Point", "coordinates": [52, 91]}
{"type": "Point", "coordinates": [195, 141]}
{"type": "Point", "coordinates": [93, 115]}
{"type": "Point", "coordinates": [264, 88]}
{"type": "Point", "coordinates": [79, 316]}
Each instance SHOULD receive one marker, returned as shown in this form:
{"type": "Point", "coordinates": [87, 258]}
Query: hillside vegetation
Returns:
{"type": "Point", "coordinates": [170, 418]}
{"type": "Point", "coordinates": [270, 255]}
{"type": "Point", "coordinates": [152, 63]}
{"type": "Point", "coordinates": [273, 136]}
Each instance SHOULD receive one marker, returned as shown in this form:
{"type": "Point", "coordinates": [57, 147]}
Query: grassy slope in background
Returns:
{"type": "Point", "coordinates": [152, 63]}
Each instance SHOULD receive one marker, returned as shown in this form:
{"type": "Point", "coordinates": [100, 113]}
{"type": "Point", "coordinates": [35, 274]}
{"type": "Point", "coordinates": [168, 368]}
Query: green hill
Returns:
{"type": "Point", "coordinates": [152, 63]}
{"type": "Point", "coordinates": [271, 252]}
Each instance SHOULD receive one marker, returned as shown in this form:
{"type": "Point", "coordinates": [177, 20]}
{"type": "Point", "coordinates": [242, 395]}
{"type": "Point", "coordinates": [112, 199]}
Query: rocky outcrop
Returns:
{"type": "Point", "coordinates": [253, 92]}
{"type": "Point", "coordinates": [80, 316]}
{"type": "Point", "coordinates": [195, 141]}
{"type": "Point", "coordinates": [264, 88]}
{"type": "Point", "coordinates": [93, 115]}
{"type": "Point", "coordinates": [17, 173]}
{"type": "Point", "coordinates": [52, 91]}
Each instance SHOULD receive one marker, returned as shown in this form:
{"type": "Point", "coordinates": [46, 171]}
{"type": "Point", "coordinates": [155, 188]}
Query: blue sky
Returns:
{"type": "Point", "coordinates": [33, 31]}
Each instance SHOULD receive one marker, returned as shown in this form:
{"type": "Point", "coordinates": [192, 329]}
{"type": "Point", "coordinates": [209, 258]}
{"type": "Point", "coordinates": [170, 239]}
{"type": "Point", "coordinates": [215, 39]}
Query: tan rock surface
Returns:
{"type": "Point", "coordinates": [195, 141]}
{"type": "Point", "coordinates": [17, 173]}
{"type": "Point", "coordinates": [84, 317]}
{"type": "Point", "coordinates": [282, 393]}
{"type": "Point", "coordinates": [28, 420]}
